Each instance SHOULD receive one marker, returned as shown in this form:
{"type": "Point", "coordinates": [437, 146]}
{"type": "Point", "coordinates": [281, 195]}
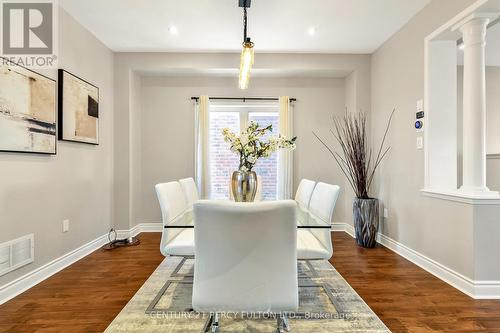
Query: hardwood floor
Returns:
{"type": "Point", "coordinates": [86, 296]}
{"type": "Point", "coordinates": [407, 298]}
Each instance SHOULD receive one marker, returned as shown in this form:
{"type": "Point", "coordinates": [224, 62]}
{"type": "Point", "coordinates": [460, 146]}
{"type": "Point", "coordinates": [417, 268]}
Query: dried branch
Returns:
{"type": "Point", "coordinates": [354, 157]}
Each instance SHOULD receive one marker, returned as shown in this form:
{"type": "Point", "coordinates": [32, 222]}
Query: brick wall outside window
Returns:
{"type": "Point", "coordinates": [267, 168]}
{"type": "Point", "coordinates": [223, 162]}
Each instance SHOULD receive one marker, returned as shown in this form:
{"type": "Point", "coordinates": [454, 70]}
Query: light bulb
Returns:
{"type": "Point", "coordinates": [247, 58]}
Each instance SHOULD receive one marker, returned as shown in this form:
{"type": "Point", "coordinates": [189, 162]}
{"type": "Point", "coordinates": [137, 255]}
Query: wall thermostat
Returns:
{"type": "Point", "coordinates": [419, 116]}
{"type": "Point", "coordinates": [419, 125]}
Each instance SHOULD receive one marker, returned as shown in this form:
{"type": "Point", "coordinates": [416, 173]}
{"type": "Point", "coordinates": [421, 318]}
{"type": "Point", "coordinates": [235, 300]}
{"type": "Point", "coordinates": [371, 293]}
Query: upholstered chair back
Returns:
{"type": "Point", "coordinates": [322, 205]}
{"type": "Point", "coordinates": [190, 190]}
{"type": "Point", "coordinates": [245, 256]}
{"type": "Point", "coordinates": [304, 192]}
{"type": "Point", "coordinates": [173, 204]}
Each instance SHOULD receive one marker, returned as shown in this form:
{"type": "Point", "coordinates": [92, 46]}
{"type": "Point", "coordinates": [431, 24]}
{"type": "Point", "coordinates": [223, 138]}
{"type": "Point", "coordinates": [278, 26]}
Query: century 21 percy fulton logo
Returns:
{"type": "Point", "coordinates": [28, 32]}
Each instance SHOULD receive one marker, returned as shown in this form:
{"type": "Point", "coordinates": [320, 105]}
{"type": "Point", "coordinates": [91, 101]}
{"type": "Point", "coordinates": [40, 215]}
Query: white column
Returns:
{"type": "Point", "coordinates": [474, 105]}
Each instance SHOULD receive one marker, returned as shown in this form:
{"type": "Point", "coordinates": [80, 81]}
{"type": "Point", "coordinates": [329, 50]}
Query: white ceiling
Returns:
{"type": "Point", "coordinates": [342, 26]}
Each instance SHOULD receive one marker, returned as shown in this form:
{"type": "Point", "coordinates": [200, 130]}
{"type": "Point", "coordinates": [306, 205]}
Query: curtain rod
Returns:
{"type": "Point", "coordinates": [245, 98]}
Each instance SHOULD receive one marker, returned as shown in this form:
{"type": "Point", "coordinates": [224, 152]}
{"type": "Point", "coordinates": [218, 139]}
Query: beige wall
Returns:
{"type": "Point", "coordinates": [132, 181]}
{"type": "Point", "coordinates": [493, 172]}
{"type": "Point", "coordinates": [38, 192]}
{"type": "Point", "coordinates": [167, 132]}
{"type": "Point", "coordinates": [492, 126]}
{"type": "Point", "coordinates": [493, 110]}
{"type": "Point", "coordinates": [439, 229]}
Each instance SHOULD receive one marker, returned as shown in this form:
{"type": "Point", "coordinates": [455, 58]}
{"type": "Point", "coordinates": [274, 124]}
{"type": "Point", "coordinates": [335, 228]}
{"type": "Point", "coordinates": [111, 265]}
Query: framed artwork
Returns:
{"type": "Point", "coordinates": [27, 110]}
{"type": "Point", "coordinates": [78, 109]}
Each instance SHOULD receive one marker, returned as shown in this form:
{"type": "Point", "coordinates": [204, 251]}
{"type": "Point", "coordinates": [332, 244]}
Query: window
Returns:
{"type": "Point", "coordinates": [223, 162]}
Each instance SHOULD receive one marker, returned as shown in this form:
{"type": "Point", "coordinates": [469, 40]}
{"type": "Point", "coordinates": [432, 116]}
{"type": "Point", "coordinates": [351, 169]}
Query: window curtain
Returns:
{"type": "Point", "coordinates": [285, 157]}
{"type": "Point", "coordinates": [202, 166]}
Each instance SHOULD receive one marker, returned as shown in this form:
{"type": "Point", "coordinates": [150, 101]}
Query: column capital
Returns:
{"type": "Point", "coordinates": [483, 18]}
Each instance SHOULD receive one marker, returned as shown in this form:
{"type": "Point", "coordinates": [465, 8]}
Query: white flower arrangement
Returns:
{"type": "Point", "coordinates": [251, 146]}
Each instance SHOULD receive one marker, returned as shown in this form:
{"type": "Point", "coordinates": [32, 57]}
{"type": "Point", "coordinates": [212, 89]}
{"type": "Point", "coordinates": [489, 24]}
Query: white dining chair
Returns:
{"type": "Point", "coordinates": [316, 244]}
{"type": "Point", "coordinates": [245, 258]}
{"type": "Point", "coordinates": [258, 193]}
{"type": "Point", "coordinates": [174, 241]}
{"type": "Point", "coordinates": [190, 191]}
{"type": "Point", "coordinates": [304, 192]}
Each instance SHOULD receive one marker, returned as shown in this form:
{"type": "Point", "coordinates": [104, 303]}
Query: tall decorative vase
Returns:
{"type": "Point", "coordinates": [366, 219]}
{"type": "Point", "coordinates": [244, 186]}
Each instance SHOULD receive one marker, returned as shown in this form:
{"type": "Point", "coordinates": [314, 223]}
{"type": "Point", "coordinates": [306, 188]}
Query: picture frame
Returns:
{"type": "Point", "coordinates": [28, 111]}
{"type": "Point", "coordinates": [78, 109]}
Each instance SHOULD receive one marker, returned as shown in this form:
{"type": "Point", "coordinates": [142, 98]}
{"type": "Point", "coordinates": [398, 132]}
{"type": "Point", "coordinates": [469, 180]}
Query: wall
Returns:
{"type": "Point", "coordinates": [38, 192]}
{"type": "Point", "coordinates": [128, 155]}
{"type": "Point", "coordinates": [492, 126]}
{"type": "Point", "coordinates": [493, 110]}
{"type": "Point", "coordinates": [167, 134]}
{"type": "Point", "coordinates": [441, 230]}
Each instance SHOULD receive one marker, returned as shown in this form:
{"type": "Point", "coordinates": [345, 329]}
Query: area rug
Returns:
{"type": "Point", "coordinates": [326, 304]}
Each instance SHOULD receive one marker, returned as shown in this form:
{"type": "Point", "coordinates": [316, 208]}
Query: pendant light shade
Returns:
{"type": "Point", "coordinates": [247, 54]}
{"type": "Point", "coordinates": [246, 63]}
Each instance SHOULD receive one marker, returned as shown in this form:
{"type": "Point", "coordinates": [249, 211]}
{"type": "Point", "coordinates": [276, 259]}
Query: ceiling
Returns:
{"type": "Point", "coordinates": [341, 26]}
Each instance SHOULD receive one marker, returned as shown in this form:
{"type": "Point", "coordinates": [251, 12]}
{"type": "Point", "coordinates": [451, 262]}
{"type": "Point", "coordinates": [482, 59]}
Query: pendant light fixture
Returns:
{"type": "Point", "coordinates": [247, 54]}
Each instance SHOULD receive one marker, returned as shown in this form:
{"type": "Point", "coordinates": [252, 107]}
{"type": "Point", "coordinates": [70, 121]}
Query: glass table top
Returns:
{"type": "Point", "coordinates": [305, 220]}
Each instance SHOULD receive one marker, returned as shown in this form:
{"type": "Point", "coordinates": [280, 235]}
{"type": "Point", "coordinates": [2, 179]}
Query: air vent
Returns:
{"type": "Point", "coordinates": [16, 253]}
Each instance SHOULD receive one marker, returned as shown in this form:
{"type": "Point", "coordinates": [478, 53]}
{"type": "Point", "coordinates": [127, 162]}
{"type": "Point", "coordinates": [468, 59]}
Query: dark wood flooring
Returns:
{"type": "Point", "coordinates": [86, 296]}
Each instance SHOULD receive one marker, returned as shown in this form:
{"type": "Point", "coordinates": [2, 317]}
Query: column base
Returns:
{"type": "Point", "coordinates": [478, 192]}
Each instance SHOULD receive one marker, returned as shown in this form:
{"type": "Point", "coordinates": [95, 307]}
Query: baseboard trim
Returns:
{"type": "Point", "coordinates": [455, 279]}
{"type": "Point", "coordinates": [474, 289]}
{"type": "Point", "coordinates": [30, 279]}
{"type": "Point", "coordinates": [343, 227]}
{"type": "Point", "coordinates": [139, 228]}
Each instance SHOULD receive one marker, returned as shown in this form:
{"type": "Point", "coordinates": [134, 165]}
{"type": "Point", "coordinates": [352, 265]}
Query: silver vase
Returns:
{"type": "Point", "coordinates": [366, 218]}
{"type": "Point", "coordinates": [244, 186]}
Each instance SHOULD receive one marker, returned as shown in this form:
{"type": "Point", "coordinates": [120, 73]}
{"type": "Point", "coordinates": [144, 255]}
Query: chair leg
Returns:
{"type": "Point", "coordinates": [208, 324]}
{"type": "Point", "coordinates": [212, 324]}
{"type": "Point", "coordinates": [283, 324]}
{"type": "Point", "coordinates": [215, 323]}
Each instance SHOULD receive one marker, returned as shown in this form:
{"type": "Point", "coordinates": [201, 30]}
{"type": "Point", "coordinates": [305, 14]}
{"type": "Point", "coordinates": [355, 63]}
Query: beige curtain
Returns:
{"type": "Point", "coordinates": [285, 157]}
{"type": "Point", "coordinates": [202, 166]}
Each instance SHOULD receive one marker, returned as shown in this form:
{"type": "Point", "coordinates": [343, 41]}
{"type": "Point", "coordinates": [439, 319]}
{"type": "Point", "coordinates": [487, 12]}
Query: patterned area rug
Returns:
{"type": "Point", "coordinates": [326, 304]}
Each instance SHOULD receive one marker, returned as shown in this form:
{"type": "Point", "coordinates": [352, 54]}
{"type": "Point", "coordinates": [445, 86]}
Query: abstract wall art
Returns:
{"type": "Point", "coordinates": [27, 110]}
{"type": "Point", "coordinates": [78, 109]}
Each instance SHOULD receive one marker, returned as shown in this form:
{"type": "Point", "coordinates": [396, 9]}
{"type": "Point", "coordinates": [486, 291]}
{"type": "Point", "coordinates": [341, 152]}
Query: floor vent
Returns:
{"type": "Point", "coordinates": [16, 253]}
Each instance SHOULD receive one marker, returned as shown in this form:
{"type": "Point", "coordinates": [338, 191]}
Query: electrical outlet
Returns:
{"type": "Point", "coordinates": [386, 213]}
{"type": "Point", "coordinates": [65, 226]}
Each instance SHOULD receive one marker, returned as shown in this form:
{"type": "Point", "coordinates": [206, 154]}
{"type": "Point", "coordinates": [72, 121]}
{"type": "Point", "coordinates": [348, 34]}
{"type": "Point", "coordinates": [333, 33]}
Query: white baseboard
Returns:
{"type": "Point", "coordinates": [25, 282]}
{"type": "Point", "coordinates": [487, 289]}
{"type": "Point", "coordinates": [139, 228]}
{"type": "Point", "coordinates": [338, 227]}
{"type": "Point", "coordinates": [474, 289]}
{"type": "Point", "coordinates": [343, 227]}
